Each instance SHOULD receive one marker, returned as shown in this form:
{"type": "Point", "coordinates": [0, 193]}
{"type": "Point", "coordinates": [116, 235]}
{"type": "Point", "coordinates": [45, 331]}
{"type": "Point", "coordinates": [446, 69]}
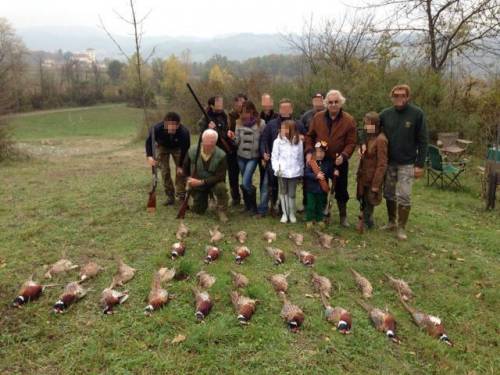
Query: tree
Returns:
{"type": "Point", "coordinates": [441, 29]}
{"type": "Point", "coordinates": [174, 79]}
{"type": "Point", "coordinates": [115, 68]}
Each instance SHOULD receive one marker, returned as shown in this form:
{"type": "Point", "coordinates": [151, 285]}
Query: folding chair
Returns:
{"type": "Point", "coordinates": [440, 171]}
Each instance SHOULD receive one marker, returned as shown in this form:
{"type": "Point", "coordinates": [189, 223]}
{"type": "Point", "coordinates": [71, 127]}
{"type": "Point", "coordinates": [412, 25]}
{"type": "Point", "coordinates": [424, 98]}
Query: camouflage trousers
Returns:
{"type": "Point", "coordinates": [201, 195]}
{"type": "Point", "coordinates": [164, 155]}
{"type": "Point", "coordinates": [398, 183]}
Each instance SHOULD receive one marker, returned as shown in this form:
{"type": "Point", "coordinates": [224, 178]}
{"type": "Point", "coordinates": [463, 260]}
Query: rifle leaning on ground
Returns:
{"type": "Point", "coordinates": [151, 207]}
{"type": "Point", "coordinates": [184, 205]}
{"type": "Point", "coordinates": [335, 175]}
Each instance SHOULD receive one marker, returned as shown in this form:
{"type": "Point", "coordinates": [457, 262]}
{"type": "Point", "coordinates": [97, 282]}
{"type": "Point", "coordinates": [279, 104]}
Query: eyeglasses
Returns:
{"type": "Point", "coordinates": [330, 102]}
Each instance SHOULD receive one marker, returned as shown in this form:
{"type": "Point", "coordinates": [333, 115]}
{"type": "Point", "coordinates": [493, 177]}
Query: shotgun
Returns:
{"type": "Point", "coordinates": [184, 205]}
{"type": "Point", "coordinates": [151, 207]}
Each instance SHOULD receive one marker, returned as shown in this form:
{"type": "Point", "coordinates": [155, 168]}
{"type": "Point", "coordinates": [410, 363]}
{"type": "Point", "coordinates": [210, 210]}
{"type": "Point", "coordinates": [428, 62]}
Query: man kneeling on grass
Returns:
{"type": "Point", "coordinates": [210, 177]}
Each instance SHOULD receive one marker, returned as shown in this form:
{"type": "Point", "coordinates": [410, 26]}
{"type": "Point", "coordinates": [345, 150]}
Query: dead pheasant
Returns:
{"type": "Point", "coordinates": [90, 270]}
{"type": "Point", "coordinates": [363, 284]}
{"type": "Point", "coordinates": [72, 293]}
{"type": "Point", "coordinates": [400, 286]}
{"type": "Point", "coordinates": [165, 275]}
{"type": "Point", "coordinates": [213, 253]}
{"type": "Point", "coordinates": [203, 304]}
{"type": "Point", "coordinates": [241, 253]}
{"type": "Point", "coordinates": [62, 265]}
{"type": "Point", "coordinates": [205, 280]}
{"type": "Point", "coordinates": [215, 235]}
{"type": "Point", "coordinates": [322, 285]}
{"type": "Point", "coordinates": [429, 323]}
{"type": "Point", "coordinates": [382, 320]}
{"type": "Point", "coordinates": [29, 291]}
{"type": "Point", "coordinates": [158, 297]}
{"type": "Point", "coordinates": [269, 236]}
{"type": "Point", "coordinates": [124, 274]}
{"type": "Point", "coordinates": [241, 236]}
{"type": "Point", "coordinates": [292, 314]}
{"type": "Point", "coordinates": [277, 254]}
{"type": "Point", "coordinates": [178, 249]}
{"type": "Point", "coordinates": [244, 306]}
{"type": "Point", "coordinates": [182, 231]}
{"type": "Point", "coordinates": [239, 280]}
{"type": "Point", "coordinates": [279, 282]}
{"type": "Point", "coordinates": [297, 238]}
{"type": "Point", "coordinates": [325, 240]}
{"type": "Point", "coordinates": [111, 298]}
{"type": "Point", "coordinates": [338, 316]}
{"type": "Point", "coordinates": [305, 257]}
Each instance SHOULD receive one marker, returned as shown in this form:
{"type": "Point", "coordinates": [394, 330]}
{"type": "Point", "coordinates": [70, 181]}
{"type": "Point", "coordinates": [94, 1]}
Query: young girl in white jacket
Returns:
{"type": "Point", "coordinates": [287, 161]}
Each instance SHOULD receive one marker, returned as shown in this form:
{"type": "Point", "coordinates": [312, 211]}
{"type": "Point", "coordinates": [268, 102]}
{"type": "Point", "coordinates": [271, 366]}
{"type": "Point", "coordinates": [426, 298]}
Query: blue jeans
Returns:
{"type": "Point", "coordinates": [247, 169]}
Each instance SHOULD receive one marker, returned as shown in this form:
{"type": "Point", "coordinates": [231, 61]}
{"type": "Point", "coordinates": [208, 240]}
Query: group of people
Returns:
{"type": "Point", "coordinates": [314, 149]}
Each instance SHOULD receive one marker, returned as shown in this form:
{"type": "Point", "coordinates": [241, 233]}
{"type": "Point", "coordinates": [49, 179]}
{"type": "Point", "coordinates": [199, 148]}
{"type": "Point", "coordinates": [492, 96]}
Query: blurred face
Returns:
{"type": "Point", "coordinates": [333, 104]}
{"type": "Point", "coordinates": [369, 127]}
{"type": "Point", "coordinates": [208, 144]}
{"type": "Point", "coordinates": [219, 105]}
{"type": "Point", "coordinates": [318, 104]}
{"type": "Point", "coordinates": [267, 103]}
{"type": "Point", "coordinates": [284, 131]}
{"type": "Point", "coordinates": [399, 98]}
{"type": "Point", "coordinates": [237, 104]}
{"type": "Point", "coordinates": [245, 115]}
{"type": "Point", "coordinates": [320, 154]}
{"type": "Point", "coordinates": [286, 110]}
{"type": "Point", "coordinates": [171, 126]}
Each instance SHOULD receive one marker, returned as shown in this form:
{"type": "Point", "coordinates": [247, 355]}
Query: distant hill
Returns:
{"type": "Point", "coordinates": [74, 39]}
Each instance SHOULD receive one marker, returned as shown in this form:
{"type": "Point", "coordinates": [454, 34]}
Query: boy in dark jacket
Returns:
{"type": "Point", "coordinates": [316, 194]}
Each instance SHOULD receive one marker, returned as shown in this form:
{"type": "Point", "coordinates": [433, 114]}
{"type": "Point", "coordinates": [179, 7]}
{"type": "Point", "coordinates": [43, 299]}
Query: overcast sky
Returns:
{"type": "Point", "coordinates": [174, 17]}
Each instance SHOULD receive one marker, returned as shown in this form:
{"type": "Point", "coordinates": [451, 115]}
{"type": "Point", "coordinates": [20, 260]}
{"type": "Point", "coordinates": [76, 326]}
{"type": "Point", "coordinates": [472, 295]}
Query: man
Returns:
{"type": "Point", "coordinates": [266, 147]}
{"type": "Point", "coordinates": [210, 176]}
{"type": "Point", "coordinates": [232, 160]}
{"type": "Point", "coordinates": [405, 128]}
{"type": "Point", "coordinates": [267, 114]}
{"type": "Point", "coordinates": [173, 141]}
{"type": "Point", "coordinates": [218, 122]}
{"type": "Point", "coordinates": [338, 129]}
{"type": "Point", "coordinates": [318, 104]}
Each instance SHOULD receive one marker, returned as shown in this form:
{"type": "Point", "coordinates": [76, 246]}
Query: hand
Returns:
{"type": "Point", "coordinates": [308, 157]}
{"type": "Point", "coordinates": [418, 172]}
{"type": "Point", "coordinates": [194, 182]}
{"type": "Point", "coordinates": [339, 160]}
{"type": "Point", "coordinates": [212, 125]}
{"type": "Point", "coordinates": [267, 156]}
{"type": "Point", "coordinates": [179, 171]}
{"type": "Point", "coordinates": [152, 162]}
{"type": "Point", "coordinates": [230, 134]}
{"type": "Point", "coordinates": [320, 176]}
{"type": "Point", "coordinates": [362, 149]}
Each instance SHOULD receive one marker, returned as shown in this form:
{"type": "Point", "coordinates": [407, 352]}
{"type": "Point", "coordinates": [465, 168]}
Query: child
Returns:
{"type": "Point", "coordinates": [371, 170]}
{"type": "Point", "coordinates": [317, 184]}
{"type": "Point", "coordinates": [287, 161]}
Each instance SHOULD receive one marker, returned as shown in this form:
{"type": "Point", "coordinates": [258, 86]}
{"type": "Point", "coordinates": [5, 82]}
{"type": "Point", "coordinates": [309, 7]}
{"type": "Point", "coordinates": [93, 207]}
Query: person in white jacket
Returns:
{"type": "Point", "coordinates": [287, 161]}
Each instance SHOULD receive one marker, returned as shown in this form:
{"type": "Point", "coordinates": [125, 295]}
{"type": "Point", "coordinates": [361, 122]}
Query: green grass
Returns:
{"type": "Point", "coordinates": [93, 207]}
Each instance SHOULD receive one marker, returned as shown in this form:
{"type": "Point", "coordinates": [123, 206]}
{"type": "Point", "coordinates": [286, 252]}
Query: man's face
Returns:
{"type": "Point", "coordinates": [267, 103]}
{"type": "Point", "coordinates": [208, 144]}
{"type": "Point", "coordinates": [318, 104]}
{"type": "Point", "coordinates": [171, 126]}
{"type": "Point", "coordinates": [219, 105]}
{"type": "Point", "coordinates": [333, 104]}
{"type": "Point", "coordinates": [286, 110]}
{"type": "Point", "coordinates": [399, 98]}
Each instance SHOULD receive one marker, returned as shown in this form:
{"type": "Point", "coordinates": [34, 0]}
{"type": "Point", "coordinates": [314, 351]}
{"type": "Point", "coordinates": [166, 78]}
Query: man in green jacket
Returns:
{"type": "Point", "coordinates": [210, 176]}
{"type": "Point", "coordinates": [406, 130]}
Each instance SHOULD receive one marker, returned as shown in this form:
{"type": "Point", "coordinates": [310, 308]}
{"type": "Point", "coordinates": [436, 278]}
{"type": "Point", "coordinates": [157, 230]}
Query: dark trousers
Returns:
{"type": "Point", "coordinates": [341, 194]}
{"type": "Point", "coordinates": [233, 172]}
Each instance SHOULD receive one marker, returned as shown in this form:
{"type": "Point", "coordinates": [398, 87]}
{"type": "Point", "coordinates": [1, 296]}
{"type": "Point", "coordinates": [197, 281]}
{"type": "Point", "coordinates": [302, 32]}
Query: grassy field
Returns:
{"type": "Point", "coordinates": [84, 193]}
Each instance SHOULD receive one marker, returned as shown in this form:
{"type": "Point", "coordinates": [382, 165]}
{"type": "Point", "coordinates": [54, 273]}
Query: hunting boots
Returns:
{"type": "Point", "coordinates": [403, 213]}
{"type": "Point", "coordinates": [368, 216]}
{"type": "Point", "coordinates": [252, 200]}
{"type": "Point", "coordinates": [291, 209]}
{"type": "Point", "coordinates": [391, 214]}
{"type": "Point", "coordinates": [343, 214]}
{"type": "Point", "coordinates": [284, 206]}
{"type": "Point", "coordinates": [246, 200]}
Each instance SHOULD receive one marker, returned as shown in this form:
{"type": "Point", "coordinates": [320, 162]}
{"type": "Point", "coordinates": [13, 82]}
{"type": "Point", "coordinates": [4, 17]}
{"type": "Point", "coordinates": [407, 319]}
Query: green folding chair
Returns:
{"type": "Point", "coordinates": [442, 172]}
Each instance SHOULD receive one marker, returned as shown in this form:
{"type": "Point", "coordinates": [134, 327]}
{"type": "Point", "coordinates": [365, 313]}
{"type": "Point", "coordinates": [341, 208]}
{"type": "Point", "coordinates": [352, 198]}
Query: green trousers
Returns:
{"type": "Point", "coordinates": [316, 203]}
{"type": "Point", "coordinates": [200, 197]}
{"type": "Point", "coordinates": [164, 155]}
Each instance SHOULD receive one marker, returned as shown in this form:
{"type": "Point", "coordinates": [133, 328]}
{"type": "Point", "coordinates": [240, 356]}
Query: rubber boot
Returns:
{"type": "Point", "coordinates": [252, 200]}
{"type": "Point", "coordinates": [391, 214]}
{"type": "Point", "coordinates": [283, 200]}
{"type": "Point", "coordinates": [368, 216]}
{"type": "Point", "coordinates": [246, 200]}
{"type": "Point", "coordinates": [403, 213]}
{"type": "Point", "coordinates": [291, 209]}
{"type": "Point", "coordinates": [343, 214]}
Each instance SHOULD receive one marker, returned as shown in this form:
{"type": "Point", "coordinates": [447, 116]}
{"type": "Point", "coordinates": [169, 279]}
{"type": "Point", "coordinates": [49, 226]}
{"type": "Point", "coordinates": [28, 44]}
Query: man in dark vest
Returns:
{"type": "Point", "coordinates": [210, 176]}
{"type": "Point", "coordinates": [406, 130]}
{"type": "Point", "coordinates": [173, 141]}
